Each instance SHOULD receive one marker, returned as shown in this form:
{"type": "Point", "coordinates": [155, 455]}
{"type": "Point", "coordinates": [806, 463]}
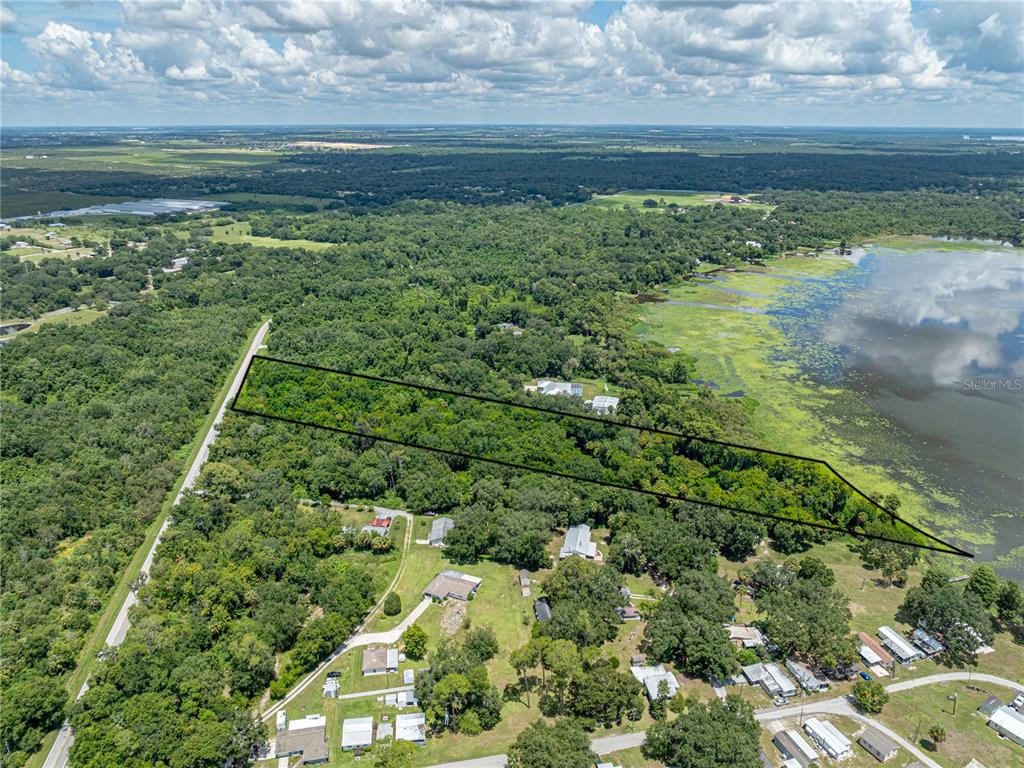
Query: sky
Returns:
{"type": "Point", "coordinates": [352, 62]}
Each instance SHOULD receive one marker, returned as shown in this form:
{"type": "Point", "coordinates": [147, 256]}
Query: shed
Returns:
{"type": "Point", "coordinates": [878, 745]}
{"type": "Point", "coordinates": [629, 613]}
{"type": "Point", "coordinates": [408, 676]}
{"type": "Point", "coordinates": [523, 577]}
{"type": "Point", "coordinates": [542, 609]}
{"type": "Point", "coordinates": [989, 705]}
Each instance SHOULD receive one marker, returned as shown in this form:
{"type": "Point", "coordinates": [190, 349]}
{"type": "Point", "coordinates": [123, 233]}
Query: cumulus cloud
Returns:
{"type": "Point", "coordinates": [486, 52]}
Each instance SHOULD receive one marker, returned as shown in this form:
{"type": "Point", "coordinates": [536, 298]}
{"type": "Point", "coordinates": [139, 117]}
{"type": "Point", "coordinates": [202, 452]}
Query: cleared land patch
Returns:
{"type": "Point", "coordinates": [241, 232]}
{"type": "Point", "coordinates": [664, 198]}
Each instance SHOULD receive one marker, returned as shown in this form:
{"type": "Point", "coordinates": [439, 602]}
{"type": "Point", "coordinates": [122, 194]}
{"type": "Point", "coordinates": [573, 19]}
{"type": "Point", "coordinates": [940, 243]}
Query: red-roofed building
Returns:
{"type": "Point", "coordinates": [872, 652]}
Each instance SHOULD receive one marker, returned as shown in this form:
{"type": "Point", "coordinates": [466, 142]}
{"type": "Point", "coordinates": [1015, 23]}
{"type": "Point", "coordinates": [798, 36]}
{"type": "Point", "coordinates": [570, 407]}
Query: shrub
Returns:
{"type": "Point", "coordinates": [392, 604]}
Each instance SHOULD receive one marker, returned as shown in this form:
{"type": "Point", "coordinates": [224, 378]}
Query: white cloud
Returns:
{"type": "Point", "coordinates": [484, 52]}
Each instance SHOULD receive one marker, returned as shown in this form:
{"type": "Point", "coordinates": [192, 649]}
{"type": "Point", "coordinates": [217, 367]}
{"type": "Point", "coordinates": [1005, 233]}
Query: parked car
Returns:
{"type": "Point", "coordinates": [865, 675]}
{"type": "Point", "coordinates": [331, 675]}
{"type": "Point", "coordinates": [1018, 701]}
{"type": "Point", "coordinates": [779, 702]}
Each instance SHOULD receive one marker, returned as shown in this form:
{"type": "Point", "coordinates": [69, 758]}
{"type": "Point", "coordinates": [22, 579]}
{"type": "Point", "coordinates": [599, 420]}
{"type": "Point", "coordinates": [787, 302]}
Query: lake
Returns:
{"type": "Point", "coordinates": [931, 336]}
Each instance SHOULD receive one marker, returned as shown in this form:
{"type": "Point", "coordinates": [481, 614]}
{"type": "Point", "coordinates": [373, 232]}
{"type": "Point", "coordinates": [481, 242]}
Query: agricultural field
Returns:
{"type": "Point", "coordinates": [666, 198]}
{"type": "Point", "coordinates": [167, 157]}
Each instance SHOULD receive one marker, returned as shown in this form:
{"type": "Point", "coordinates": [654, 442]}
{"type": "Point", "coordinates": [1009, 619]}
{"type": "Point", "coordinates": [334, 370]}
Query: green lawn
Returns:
{"type": "Point", "coordinates": [967, 734]}
{"type": "Point", "coordinates": [240, 232]}
{"type": "Point", "coordinates": [634, 198]}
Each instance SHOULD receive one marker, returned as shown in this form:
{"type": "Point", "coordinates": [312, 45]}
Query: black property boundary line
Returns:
{"type": "Point", "coordinates": [946, 547]}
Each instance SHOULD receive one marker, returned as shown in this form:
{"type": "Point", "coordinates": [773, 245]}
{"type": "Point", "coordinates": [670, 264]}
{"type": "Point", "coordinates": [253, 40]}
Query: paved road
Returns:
{"type": "Point", "coordinates": [605, 745]}
{"type": "Point", "coordinates": [58, 754]}
{"type": "Point", "coordinates": [360, 638]}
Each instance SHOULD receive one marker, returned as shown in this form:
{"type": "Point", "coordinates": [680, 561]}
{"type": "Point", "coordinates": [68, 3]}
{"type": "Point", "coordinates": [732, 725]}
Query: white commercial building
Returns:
{"type": "Point", "coordinates": [828, 737]}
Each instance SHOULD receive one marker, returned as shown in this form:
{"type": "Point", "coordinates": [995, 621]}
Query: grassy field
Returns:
{"type": "Point", "coordinates": [967, 735]}
{"type": "Point", "coordinates": [93, 645]}
{"type": "Point", "coordinates": [174, 158]}
{"type": "Point", "coordinates": [77, 317]}
{"type": "Point", "coordinates": [747, 351]}
{"type": "Point", "coordinates": [240, 232]}
{"type": "Point", "coordinates": [634, 198]}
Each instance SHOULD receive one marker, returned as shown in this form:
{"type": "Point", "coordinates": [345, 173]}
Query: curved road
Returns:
{"type": "Point", "coordinates": [840, 705]}
{"type": "Point", "coordinates": [57, 757]}
{"type": "Point", "coordinates": [360, 638]}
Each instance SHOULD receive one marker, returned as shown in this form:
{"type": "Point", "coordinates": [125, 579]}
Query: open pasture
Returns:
{"type": "Point", "coordinates": [634, 198]}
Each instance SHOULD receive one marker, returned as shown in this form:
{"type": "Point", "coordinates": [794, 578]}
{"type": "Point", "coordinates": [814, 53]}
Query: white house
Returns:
{"type": "Point", "coordinates": [577, 542]}
{"type": "Point", "coordinates": [356, 733]}
{"type": "Point", "coordinates": [652, 678]}
{"type": "Point", "coordinates": [411, 727]}
{"type": "Point", "coordinates": [439, 529]}
{"type": "Point", "coordinates": [1008, 722]}
{"type": "Point", "coordinates": [898, 645]}
{"type": "Point", "coordinates": [548, 387]}
{"type": "Point", "coordinates": [603, 404]}
{"type": "Point", "coordinates": [828, 737]}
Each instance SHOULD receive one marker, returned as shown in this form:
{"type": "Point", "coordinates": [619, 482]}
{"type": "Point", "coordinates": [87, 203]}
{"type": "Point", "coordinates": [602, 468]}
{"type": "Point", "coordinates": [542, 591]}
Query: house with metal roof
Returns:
{"type": "Point", "coordinates": [805, 676]}
{"type": "Point", "coordinates": [1008, 722]}
{"type": "Point", "coordinates": [771, 678]}
{"type": "Point", "coordinates": [829, 738]}
{"type": "Point", "coordinates": [411, 727]}
{"type": "Point", "coordinates": [793, 746]}
{"type": "Point", "coordinates": [898, 645]}
{"type": "Point", "coordinates": [603, 404]}
{"type": "Point", "coordinates": [652, 677]}
{"type": "Point", "coordinates": [439, 529]}
{"type": "Point", "coordinates": [548, 387]}
{"type": "Point", "coordinates": [873, 653]}
{"type": "Point", "coordinates": [577, 542]}
{"type": "Point", "coordinates": [927, 644]}
{"type": "Point", "coordinates": [878, 745]}
{"type": "Point", "coordinates": [356, 733]}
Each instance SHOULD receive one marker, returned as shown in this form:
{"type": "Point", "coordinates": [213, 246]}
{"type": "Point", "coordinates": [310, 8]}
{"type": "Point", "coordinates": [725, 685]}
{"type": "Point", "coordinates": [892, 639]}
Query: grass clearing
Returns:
{"type": "Point", "coordinates": [241, 232]}
{"type": "Point", "coordinates": [634, 198]}
{"type": "Point", "coordinates": [80, 316]}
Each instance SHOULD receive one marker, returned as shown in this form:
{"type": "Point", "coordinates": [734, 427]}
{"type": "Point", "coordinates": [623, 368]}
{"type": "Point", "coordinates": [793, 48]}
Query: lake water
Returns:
{"type": "Point", "coordinates": [932, 338]}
